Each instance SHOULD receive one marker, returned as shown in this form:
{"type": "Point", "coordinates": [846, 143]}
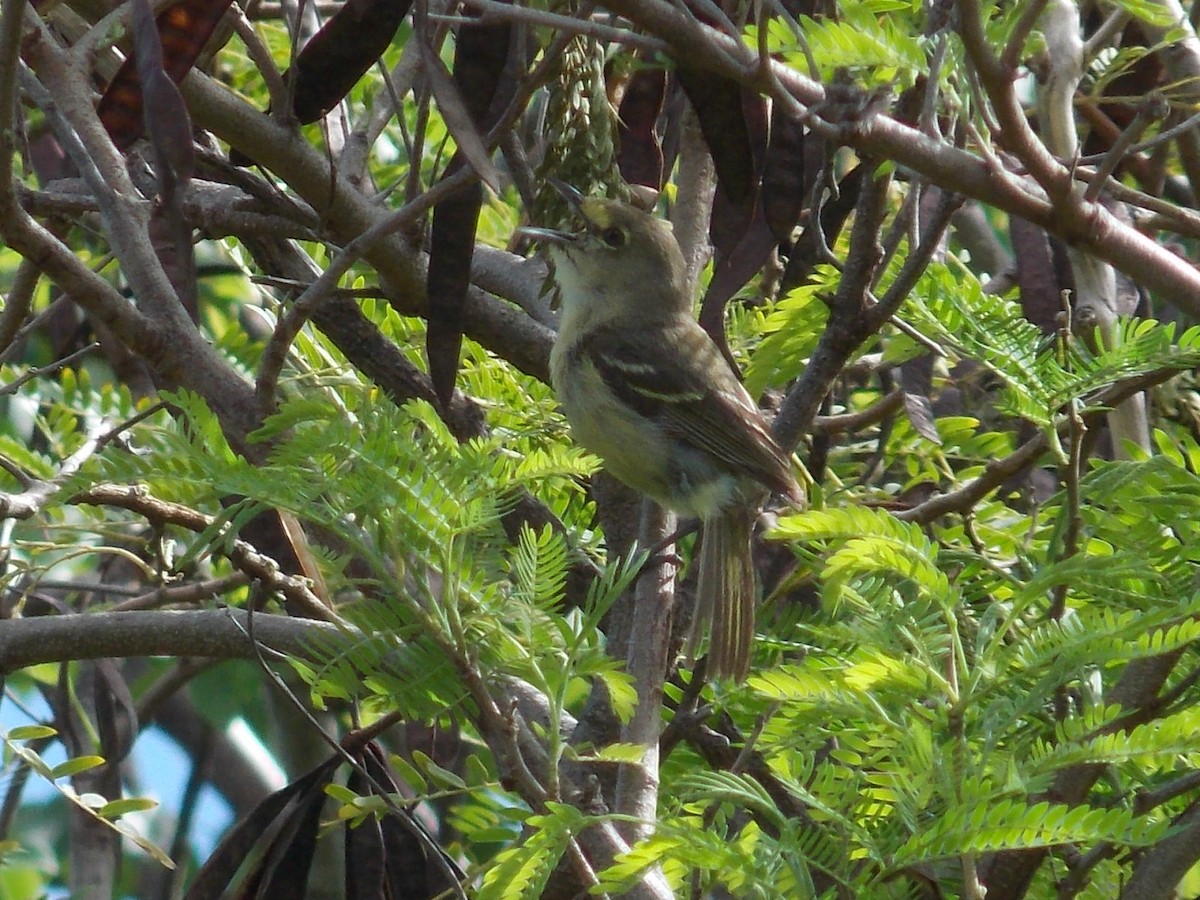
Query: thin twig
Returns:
{"type": "Point", "coordinates": [997, 471]}
{"type": "Point", "coordinates": [241, 553]}
{"type": "Point", "coordinates": [49, 369]}
{"type": "Point", "coordinates": [492, 9]}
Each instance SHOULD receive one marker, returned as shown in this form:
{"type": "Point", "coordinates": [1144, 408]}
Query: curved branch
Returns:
{"type": "Point", "coordinates": [241, 553]}
{"type": "Point", "coordinates": [500, 327]}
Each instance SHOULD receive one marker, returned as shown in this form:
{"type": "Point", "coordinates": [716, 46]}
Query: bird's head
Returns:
{"type": "Point", "coordinates": [619, 255]}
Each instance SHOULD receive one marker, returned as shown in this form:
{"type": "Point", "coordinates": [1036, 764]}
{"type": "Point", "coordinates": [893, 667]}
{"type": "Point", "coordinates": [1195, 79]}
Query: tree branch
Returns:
{"type": "Point", "coordinates": [218, 633]}
{"type": "Point", "coordinates": [241, 553]}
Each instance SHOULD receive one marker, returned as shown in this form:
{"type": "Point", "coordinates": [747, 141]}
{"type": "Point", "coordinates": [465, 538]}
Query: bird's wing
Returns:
{"type": "Point", "coordinates": [679, 378]}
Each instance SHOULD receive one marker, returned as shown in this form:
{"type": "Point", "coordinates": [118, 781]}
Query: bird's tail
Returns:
{"type": "Point", "coordinates": [726, 592]}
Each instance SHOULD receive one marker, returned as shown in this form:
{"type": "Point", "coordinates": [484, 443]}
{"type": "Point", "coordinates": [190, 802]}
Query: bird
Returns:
{"type": "Point", "coordinates": [644, 387]}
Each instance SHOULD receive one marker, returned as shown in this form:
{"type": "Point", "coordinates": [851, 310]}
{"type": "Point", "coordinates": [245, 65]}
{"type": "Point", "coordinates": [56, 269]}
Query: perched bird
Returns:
{"type": "Point", "coordinates": [647, 390]}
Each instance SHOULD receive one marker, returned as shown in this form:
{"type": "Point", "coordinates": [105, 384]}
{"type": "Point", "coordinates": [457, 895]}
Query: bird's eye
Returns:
{"type": "Point", "coordinates": [614, 237]}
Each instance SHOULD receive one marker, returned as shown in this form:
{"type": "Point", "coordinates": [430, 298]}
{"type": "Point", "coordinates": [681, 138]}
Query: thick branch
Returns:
{"type": "Point", "coordinates": [502, 328]}
{"type": "Point", "coordinates": [1159, 871]}
{"type": "Point", "coordinates": [637, 783]}
{"type": "Point", "coordinates": [218, 633]}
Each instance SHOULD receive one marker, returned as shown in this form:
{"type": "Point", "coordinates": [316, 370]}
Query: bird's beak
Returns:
{"type": "Point", "coordinates": [554, 235]}
{"type": "Point", "coordinates": [567, 192]}
{"type": "Point", "coordinates": [548, 235]}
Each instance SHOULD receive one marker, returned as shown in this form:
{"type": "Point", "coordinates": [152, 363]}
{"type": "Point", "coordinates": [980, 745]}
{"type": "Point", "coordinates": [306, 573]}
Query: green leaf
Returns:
{"type": "Point", "coordinates": [995, 825]}
{"type": "Point", "coordinates": [114, 809]}
{"type": "Point", "coordinates": [30, 732]}
{"type": "Point", "coordinates": [341, 793]}
{"type": "Point", "coordinates": [614, 753]}
{"type": "Point", "coordinates": [436, 773]}
{"type": "Point", "coordinates": [76, 765]}
{"type": "Point", "coordinates": [522, 871]}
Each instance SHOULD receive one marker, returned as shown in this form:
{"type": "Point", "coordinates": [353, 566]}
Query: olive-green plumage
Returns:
{"type": "Point", "coordinates": [646, 389]}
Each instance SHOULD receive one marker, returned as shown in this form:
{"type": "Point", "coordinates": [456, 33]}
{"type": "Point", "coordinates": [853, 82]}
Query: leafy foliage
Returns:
{"type": "Point", "coordinates": [952, 677]}
{"type": "Point", "coordinates": [868, 36]}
